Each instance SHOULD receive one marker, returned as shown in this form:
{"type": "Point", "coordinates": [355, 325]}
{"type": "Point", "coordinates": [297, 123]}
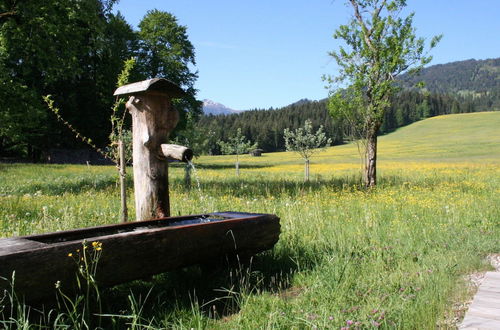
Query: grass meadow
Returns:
{"type": "Point", "coordinates": [392, 257]}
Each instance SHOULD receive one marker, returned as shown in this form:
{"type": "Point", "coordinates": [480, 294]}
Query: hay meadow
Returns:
{"type": "Point", "coordinates": [347, 258]}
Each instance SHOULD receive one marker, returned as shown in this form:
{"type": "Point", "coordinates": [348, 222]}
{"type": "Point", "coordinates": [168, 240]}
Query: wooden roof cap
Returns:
{"type": "Point", "coordinates": [161, 85]}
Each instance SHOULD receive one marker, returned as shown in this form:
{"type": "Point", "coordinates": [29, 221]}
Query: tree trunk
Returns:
{"type": "Point", "coordinates": [34, 154]}
{"type": "Point", "coordinates": [371, 160]}
{"type": "Point", "coordinates": [123, 186]}
{"type": "Point", "coordinates": [237, 166]}
{"type": "Point", "coordinates": [306, 170]}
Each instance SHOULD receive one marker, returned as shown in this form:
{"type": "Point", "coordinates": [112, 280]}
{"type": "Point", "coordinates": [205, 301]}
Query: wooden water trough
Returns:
{"type": "Point", "coordinates": [132, 250]}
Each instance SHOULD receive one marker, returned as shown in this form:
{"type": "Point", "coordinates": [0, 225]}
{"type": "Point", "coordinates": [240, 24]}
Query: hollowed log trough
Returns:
{"type": "Point", "coordinates": [132, 250]}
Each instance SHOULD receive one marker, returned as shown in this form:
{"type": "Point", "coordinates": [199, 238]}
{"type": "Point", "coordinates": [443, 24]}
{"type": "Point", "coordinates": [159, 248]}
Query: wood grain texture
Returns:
{"type": "Point", "coordinates": [153, 119]}
{"type": "Point", "coordinates": [131, 250]}
{"type": "Point", "coordinates": [484, 312]}
{"type": "Point", "coordinates": [176, 152]}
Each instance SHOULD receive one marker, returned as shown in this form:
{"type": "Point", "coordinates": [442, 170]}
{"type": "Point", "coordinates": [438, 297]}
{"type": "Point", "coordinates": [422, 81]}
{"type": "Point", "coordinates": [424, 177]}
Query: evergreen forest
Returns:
{"type": "Point", "coordinates": [266, 126]}
{"type": "Point", "coordinates": [74, 50]}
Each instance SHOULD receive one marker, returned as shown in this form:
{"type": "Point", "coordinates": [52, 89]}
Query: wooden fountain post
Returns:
{"type": "Point", "coordinates": [153, 119]}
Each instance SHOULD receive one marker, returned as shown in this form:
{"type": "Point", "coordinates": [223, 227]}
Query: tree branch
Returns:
{"type": "Point", "coordinates": [366, 32]}
{"type": "Point", "coordinates": [8, 13]}
{"type": "Point", "coordinates": [11, 12]}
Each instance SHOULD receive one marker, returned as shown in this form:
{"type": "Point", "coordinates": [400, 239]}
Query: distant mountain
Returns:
{"type": "Point", "coordinates": [476, 82]}
{"type": "Point", "coordinates": [470, 77]}
{"type": "Point", "coordinates": [213, 108]}
{"type": "Point", "coordinates": [301, 102]}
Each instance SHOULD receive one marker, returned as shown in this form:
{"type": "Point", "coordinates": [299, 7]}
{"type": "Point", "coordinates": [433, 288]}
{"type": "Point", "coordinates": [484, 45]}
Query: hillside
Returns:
{"type": "Point", "coordinates": [457, 87]}
{"type": "Point", "coordinates": [266, 126]}
{"type": "Point", "coordinates": [461, 77]}
{"type": "Point", "coordinates": [458, 138]}
{"type": "Point", "coordinates": [476, 82]}
{"type": "Point", "coordinates": [466, 137]}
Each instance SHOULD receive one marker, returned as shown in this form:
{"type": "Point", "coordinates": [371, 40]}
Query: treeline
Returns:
{"type": "Point", "coordinates": [74, 50]}
{"type": "Point", "coordinates": [472, 81]}
{"type": "Point", "coordinates": [266, 126]}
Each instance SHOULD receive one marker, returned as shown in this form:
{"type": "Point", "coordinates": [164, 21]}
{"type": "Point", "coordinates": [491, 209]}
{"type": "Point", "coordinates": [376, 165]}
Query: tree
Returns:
{"type": "Point", "coordinates": [73, 50]}
{"type": "Point", "coordinates": [70, 49]}
{"type": "Point", "coordinates": [379, 46]}
{"type": "Point", "coordinates": [305, 142]}
{"type": "Point", "coordinates": [236, 145]}
{"type": "Point", "coordinates": [197, 138]}
{"type": "Point", "coordinates": [165, 51]}
{"type": "Point", "coordinates": [120, 138]}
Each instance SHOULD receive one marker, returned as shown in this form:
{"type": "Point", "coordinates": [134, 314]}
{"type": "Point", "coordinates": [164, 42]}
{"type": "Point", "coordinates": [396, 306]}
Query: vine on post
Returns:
{"type": "Point", "coordinates": [119, 148]}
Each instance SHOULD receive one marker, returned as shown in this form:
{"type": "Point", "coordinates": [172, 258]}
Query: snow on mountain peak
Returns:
{"type": "Point", "coordinates": [215, 108]}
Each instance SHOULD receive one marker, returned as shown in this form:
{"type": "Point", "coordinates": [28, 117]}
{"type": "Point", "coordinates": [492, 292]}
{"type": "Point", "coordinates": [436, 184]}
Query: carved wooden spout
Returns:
{"type": "Point", "coordinates": [177, 152]}
{"type": "Point", "coordinates": [153, 119]}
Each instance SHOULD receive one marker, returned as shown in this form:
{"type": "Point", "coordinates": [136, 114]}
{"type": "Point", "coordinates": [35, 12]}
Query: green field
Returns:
{"type": "Point", "coordinates": [393, 257]}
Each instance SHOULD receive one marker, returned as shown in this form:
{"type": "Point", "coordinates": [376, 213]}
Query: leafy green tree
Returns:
{"type": "Point", "coordinates": [195, 137]}
{"type": "Point", "coordinates": [237, 145]}
{"type": "Point", "coordinates": [379, 46]}
{"type": "Point", "coordinates": [165, 51]}
{"type": "Point", "coordinates": [70, 49]}
{"type": "Point", "coordinates": [120, 148]}
{"type": "Point", "coordinates": [305, 142]}
{"type": "Point", "coordinates": [198, 139]}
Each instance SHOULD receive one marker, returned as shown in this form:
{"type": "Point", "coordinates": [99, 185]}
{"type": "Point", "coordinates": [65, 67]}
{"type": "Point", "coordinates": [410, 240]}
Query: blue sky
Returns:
{"type": "Point", "coordinates": [270, 53]}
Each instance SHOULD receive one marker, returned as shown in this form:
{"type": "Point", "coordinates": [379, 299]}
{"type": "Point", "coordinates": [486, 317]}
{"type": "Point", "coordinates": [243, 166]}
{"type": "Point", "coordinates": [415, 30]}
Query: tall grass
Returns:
{"type": "Point", "coordinates": [393, 257]}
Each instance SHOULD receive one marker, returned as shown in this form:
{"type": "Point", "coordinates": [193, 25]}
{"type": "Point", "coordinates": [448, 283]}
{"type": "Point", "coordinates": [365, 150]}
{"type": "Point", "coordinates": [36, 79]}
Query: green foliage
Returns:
{"type": "Point", "coordinates": [165, 51]}
{"type": "Point", "coordinates": [118, 116]}
{"type": "Point", "coordinates": [304, 141]}
{"type": "Point", "coordinates": [72, 50]}
{"type": "Point", "coordinates": [266, 127]}
{"type": "Point", "coordinates": [396, 256]}
{"type": "Point", "coordinates": [236, 145]}
{"type": "Point", "coordinates": [118, 132]}
{"type": "Point", "coordinates": [474, 83]}
{"type": "Point", "coordinates": [455, 77]}
{"type": "Point", "coordinates": [346, 107]}
{"type": "Point", "coordinates": [123, 77]}
{"type": "Point", "coordinates": [50, 104]}
{"type": "Point", "coordinates": [379, 46]}
{"type": "Point", "coordinates": [196, 137]}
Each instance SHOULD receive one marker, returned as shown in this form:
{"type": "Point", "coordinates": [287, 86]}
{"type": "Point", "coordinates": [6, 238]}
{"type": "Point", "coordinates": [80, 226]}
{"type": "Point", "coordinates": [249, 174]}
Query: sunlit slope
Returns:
{"type": "Point", "coordinates": [460, 138]}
